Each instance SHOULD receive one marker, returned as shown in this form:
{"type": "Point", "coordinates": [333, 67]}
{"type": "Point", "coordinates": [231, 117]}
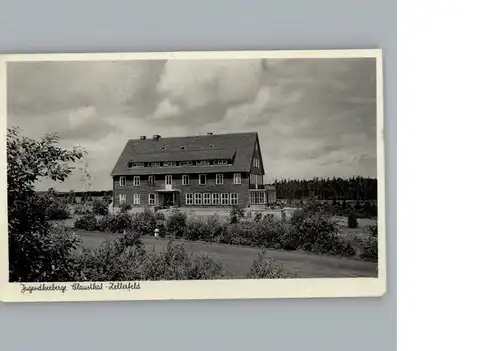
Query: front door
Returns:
{"type": "Point", "coordinates": [168, 182]}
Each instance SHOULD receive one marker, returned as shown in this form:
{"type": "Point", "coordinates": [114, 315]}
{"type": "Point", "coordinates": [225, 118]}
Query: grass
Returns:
{"type": "Point", "coordinates": [237, 260]}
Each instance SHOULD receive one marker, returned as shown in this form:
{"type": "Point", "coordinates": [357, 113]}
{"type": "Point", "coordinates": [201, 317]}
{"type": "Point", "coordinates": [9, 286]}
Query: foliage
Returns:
{"type": "Point", "coordinates": [37, 250]}
{"type": "Point", "coordinates": [352, 221]}
{"type": "Point", "coordinates": [125, 207]}
{"type": "Point", "coordinates": [370, 245]}
{"type": "Point", "coordinates": [125, 258]}
{"type": "Point", "coordinates": [87, 222]}
{"type": "Point", "coordinates": [56, 208]}
{"type": "Point", "coordinates": [100, 207]}
{"type": "Point", "coordinates": [267, 269]}
{"type": "Point", "coordinates": [176, 224]}
{"type": "Point", "coordinates": [356, 188]}
{"type": "Point", "coordinates": [144, 222]}
{"type": "Point", "coordinates": [236, 214]}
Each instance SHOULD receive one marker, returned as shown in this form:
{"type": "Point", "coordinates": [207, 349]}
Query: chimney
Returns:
{"type": "Point", "coordinates": [142, 137]}
{"type": "Point", "coordinates": [156, 137]}
{"type": "Point", "coordinates": [210, 133]}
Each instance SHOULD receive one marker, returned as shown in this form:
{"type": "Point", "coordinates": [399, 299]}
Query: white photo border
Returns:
{"type": "Point", "coordinates": [199, 289]}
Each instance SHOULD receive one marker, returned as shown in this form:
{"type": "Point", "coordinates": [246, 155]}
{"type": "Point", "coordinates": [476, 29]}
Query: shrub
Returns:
{"type": "Point", "coordinates": [159, 216]}
{"type": "Point", "coordinates": [258, 217]}
{"type": "Point", "coordinates": [120, 222]}
{"type": "Point", "coordinates": [87, 222]}
{"type": "Point", "coordinates": [352, 221]}
{"type": "Point", "coordinates": [209, 229]}
{"type": "Point", "coordinates": [236, 214]}
{"type": "Point", "coordinates": [370, 249]}
{"type": "Point", "coordinates": [176, 224]}
{"type": "Point", "coordinates": [267, 269]}
{"type": "Point", "coordinates": [125, 258]}
{"type": "Point", "coordinates": [125, 207]}
{"type": "Point", "coordinates": [100, 207]}
{"type": "Point", "coordinates": [144, 223]}
{"type": "Point", "coordinates": [370, 245]}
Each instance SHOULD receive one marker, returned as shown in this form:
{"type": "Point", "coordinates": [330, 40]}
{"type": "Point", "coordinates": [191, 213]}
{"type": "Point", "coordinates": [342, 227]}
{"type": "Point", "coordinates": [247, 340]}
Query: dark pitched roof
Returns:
{"type": "Point", "coordinates": [238, 146]}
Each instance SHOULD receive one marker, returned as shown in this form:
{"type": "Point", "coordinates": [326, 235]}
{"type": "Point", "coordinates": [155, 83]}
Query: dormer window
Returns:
{"type": "Point", "coordinates": [169, 164]}
{"type": "Point", "coordinates": [155, 164]}
{"type": "Point", "coordinates": [222, 162]}
{"type": "Point", "coordinates": [186, 163]}
{"type": "Point", "coordinates": [137, 165]}
{"type": "Point", "coordinates": [202, 163]}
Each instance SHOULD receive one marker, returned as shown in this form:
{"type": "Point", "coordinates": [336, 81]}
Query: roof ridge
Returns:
{"type": "Point", "coordinates": [196, 136]}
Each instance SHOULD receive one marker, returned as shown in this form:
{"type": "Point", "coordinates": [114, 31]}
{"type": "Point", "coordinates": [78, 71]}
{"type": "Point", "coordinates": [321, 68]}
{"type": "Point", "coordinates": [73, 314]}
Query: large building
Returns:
{"type": "Point", "coordinates": [208, 170]}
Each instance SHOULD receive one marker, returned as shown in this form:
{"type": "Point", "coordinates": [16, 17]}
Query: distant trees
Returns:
{"type": "Point", "coordinates": [355, 188]}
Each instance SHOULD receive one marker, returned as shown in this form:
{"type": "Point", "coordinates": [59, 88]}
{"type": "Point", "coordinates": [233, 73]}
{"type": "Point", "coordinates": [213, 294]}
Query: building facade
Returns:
{"type": "Point", "coordinates": [209, 170]}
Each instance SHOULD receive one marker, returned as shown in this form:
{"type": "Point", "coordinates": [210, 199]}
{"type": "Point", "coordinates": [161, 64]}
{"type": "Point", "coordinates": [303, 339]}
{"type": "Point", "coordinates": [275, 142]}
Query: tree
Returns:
{"type": "Point", "coordinates": [38, 250]}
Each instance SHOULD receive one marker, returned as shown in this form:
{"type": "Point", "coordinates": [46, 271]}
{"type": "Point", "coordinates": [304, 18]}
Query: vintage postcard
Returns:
{"type": "Point", "coordinates": [192, 175]}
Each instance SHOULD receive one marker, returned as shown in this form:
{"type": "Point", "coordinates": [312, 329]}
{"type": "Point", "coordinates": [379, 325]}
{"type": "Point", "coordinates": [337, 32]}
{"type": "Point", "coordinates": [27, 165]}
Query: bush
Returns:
{"type": "Point", "coordinates": [176, 224]}
{"type": "Point", "coordinates": [126, 259]}
{"type": "Point", "coordinates": [352, 221]}
{"type": "Point", "coordinates": [100, 207]}
{"type": "Point", "coordinates": [370, 249]}
{"type": "Point", "coordinates": [258, 217]}
{"type": "Point", "coordinates": [370, 245]}
{"type": "Point", "coordinates": [267, 269]}
{"type": "Point", "coordinates": [87, 222]}
{"type": "Point", "coordinates": [125, 207]}
{"type": "Point", "coordinates": [144, 223]}
{"type": "Point", "coordinates": [236, 214]}
{"type": "Point", "coordinates": [209, 229]}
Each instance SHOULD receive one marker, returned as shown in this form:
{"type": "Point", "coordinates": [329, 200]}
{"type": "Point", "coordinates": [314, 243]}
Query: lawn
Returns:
{"type": "Point", "coordinates": [237, 260]}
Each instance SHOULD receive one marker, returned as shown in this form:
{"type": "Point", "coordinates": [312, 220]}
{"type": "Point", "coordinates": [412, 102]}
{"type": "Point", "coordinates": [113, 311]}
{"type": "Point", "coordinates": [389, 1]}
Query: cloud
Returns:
{"type": "Point", "coordinates": [315, 117]}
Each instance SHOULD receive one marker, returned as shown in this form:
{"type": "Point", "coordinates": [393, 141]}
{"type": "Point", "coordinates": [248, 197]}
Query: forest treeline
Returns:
{"type": "Point", "coordinates": [355, 188]}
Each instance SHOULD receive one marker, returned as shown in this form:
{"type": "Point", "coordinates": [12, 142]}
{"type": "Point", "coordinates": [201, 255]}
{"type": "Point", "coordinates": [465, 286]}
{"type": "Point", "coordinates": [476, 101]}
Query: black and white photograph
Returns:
{"type": "Point", "coordinates": [139, 176]}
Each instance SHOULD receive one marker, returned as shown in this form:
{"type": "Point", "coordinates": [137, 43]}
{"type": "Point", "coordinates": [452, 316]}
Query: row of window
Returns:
{"type": "Point", "coordinates": [202, 179]}
{"type": "Point", "coordinates": [191, 199]}
{"type": "Point", "coordinates": [257, 197]}
{"type": "Point", "coordinates": [212, 199]}
{"type": "Point", "coordinates": [137, 199]}
{"type": "Point", "coordinates": [179, 164]}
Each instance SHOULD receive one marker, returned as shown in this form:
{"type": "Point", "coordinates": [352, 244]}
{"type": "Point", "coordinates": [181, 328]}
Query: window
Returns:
{"type": "Point", "coordinates": [222, 162]}
{"type": "Point", "coordinates": [219, 178]}
{"type": "Point", "coordinates": [234, 198]}
{"type": "Point", "coordinates": [257, 198]}
{"type": "Point", "coordinates": [152, 199]}
{"type": "Point", "coordinates": [122, 181]}
{"type": "Point", "coordinates": [123, 198]}
{"type": "Point", "coordinates": [185, 179]}
{"type": "Point", "coordinates": [225, 199]}
{"type": "Point", "coordinates": [256, 162]}
{"type": "Point", "coordinates": [137, 165]}
{"type": "Point", "coordinates": [151, 180]}
{"type": "Point", "coordinates": [215, 199]}
{"type": "Point", "coordinates": [137, 199]}
{"type": "Point", "coordinates": [189, 199]}
{"type": "Point", "coordinates": [169, 164]}
{"type": "Point", "coordinates": [206, 199]}
{"type": "Point", "coordinates": [186, 163]}
{"type": "Point", "coordinates": [168, 181]}
{"type": "Point", "coordinates": [202, 163]}
{"type": "Point", "coordinates": [137, 181]}
{"type": "Point", "coordinates": [197, 199]}
{"type": "Point", "coordinates": [202, 179]}
{"type": "Point", "coordinates": [155, 164]}
{"type": "Point", "coordinates": [237, 178]}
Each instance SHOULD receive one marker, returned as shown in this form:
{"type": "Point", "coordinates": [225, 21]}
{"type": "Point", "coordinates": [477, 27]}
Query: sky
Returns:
{"type": "Point", "coordinates": [315, 117]}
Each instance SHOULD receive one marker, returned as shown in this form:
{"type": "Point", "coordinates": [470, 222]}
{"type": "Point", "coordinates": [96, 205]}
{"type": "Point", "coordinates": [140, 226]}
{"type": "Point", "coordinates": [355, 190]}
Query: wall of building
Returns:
{"type": "Point", "coordinates": [144, 189]}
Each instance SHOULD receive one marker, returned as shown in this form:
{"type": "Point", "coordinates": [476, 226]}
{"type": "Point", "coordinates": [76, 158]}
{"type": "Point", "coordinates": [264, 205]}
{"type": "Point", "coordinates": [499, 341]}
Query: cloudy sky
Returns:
{"type": "Point", "coordinates": [315, 117]}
